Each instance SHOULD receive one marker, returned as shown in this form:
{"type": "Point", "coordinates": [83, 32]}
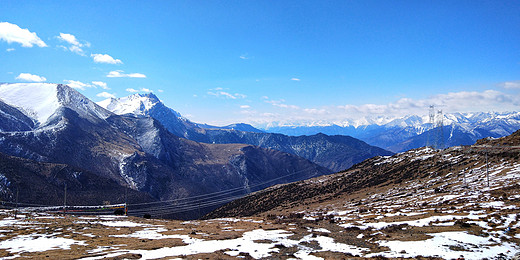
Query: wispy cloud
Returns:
{"type": "Point", "coordinates": [10, 49]}
{"type": "Point", "coordinates": [74, 44]}
{"type": "Point", "coordinates": [30, 77]}
{"type": "Point", "coordinates": [13, 33]}
{"type": "Point", "coordinates": [244, 57]}
{"type": "Point", "coordinates": [106, 95]}
{"type": "Point", "coordinates": [100, 84]}
{"type": "Point", "coordinates": [105, 58]}
{"type": "Point", "coordinates": [464, 101]}
{"type": "Point", "coordinates": [78, 84]}
{"type": "Point", "coordinates": [511, 84]}
{"type": "Point", "coordinates": [122, 74]}
{"type": "Point", "coordinates": [280, 103]}
{"type": "Point", "coordinates": [295, 79]}
{"type": "Point", "coordinates": [219, 92]}
{"type": "Point", "coordinates": [245, 106]}
{"type": "Point", "coordinates": [132, 90]}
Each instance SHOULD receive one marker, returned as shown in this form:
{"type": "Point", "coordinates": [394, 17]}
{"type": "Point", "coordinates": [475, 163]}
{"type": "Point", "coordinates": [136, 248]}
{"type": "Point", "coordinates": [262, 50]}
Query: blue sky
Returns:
{"type": "Point", "coordinates": [220, 62]}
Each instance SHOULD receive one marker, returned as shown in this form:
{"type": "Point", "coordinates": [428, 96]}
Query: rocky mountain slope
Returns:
{"type": "Point", "coordinates": [44, 184]}
{"type": "Point", "coordinates": [410, 132]}
{"type": "Point", "coordinates": [135, 151]}
{"type": "Point", "coordinates": [409, 202]}
{"type": "Point", "coordinates": [333, 152]}
{"type": "Point", "coordinates": [423, 165]}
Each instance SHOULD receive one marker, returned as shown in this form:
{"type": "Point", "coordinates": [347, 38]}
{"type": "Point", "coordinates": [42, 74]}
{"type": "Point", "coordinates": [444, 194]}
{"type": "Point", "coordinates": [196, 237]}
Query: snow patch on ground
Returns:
{"type": "Point", "coordinates": [38, 243]}
{"type": "Point", "coordinates": [442, 244]}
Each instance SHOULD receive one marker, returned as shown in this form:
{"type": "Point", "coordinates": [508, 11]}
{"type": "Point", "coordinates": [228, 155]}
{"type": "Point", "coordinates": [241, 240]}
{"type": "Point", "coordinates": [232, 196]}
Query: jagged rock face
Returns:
{"type": "Point", "coordinates": [140, 153]}
{"type": "Point", "coordinates": [333, 152]}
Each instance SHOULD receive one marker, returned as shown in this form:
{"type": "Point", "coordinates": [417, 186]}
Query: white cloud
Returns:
{"type": "Point", "coordinates": [245, 106]}
{"type": "Point", "coordinates": [464, 101]}
{"type": "Point", "coordinates": [82, 86]}
{"type": "Point", "coordinates": [75, 46]}
{"type": "Point", "coordinates": [101, 84]}
{"type": "Point", "coordinates": [13, 33]}
{"type": "Point", "coordinates": [281, 103]}
{"type": "Point", "coordinates": [30, 77]}
{"type": "Point", "coordinates": [244, 57]}
{"type": "Point", "coordinates": [295, 79]}
{"type": "Point", "coordinates": [69, 38]}
{"type": "Point", "coordinates": [217, 92]}
{"type": "Point", "coordinates": [160, 90]}
{"type": "Point", "coordinates": [132, 90]}
{"type": "Point", "coordinates": [511, 85]}
{"type": "Point", "coordinates": [121, 74]}
{"type": "Point", "coordinates": [78, 84]}
{"type": "Point", "coordinates": [10, 49]}
{"type": "Point", "coordinates": [105, 58]}
{"type": "Point", "coordinates": [106, 95]}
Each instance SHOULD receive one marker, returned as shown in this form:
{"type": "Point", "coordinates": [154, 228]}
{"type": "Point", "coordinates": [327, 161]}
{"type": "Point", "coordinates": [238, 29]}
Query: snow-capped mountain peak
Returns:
{"type": "Point", "coordinates": [39, 101]}
{"type": "Point", "coordinates": [137, 104]}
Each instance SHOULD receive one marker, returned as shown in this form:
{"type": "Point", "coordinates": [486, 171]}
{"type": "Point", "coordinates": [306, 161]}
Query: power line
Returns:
{"type": "Point", "coordinates": [182, 204]}
{"type": "Point", "coordinates": [225, 191]}
{"type": "Point", "coordinates": [196, 204]}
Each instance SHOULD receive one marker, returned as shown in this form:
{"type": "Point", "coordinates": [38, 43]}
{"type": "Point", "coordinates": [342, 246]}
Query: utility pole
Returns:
{"type": "Point", "coordinates": [16, 209]}
{"type": "Point", "coordinates": [126, 201]}
{"type": "Point", "coordinates": [487, 168]}
{"type": "Point", "coordinates": [65, 200]}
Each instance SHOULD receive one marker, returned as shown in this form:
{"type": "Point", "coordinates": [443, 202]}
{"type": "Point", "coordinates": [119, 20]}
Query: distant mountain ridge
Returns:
{"type": "Point", "coordinates": [410, 132]}
{"type": "Point", "coordinates": [334, 152]}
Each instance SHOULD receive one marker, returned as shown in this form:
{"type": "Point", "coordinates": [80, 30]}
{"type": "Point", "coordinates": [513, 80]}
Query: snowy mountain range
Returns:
{"type": "Point", "coordinates": [334, 152]}
{"type": "Point", "coordinates": [396, 134]}
{"type": "Point", "coordinates": [409, 132]}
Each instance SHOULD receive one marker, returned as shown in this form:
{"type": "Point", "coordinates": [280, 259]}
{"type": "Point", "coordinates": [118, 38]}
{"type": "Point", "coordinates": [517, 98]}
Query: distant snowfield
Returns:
{"type": "Point", "coordinates": [38, 100]}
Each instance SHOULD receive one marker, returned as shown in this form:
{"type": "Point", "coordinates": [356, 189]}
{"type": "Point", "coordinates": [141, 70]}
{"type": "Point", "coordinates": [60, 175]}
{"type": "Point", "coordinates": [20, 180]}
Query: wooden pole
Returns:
{"type": "Point", "coordinates": [65, 200]}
